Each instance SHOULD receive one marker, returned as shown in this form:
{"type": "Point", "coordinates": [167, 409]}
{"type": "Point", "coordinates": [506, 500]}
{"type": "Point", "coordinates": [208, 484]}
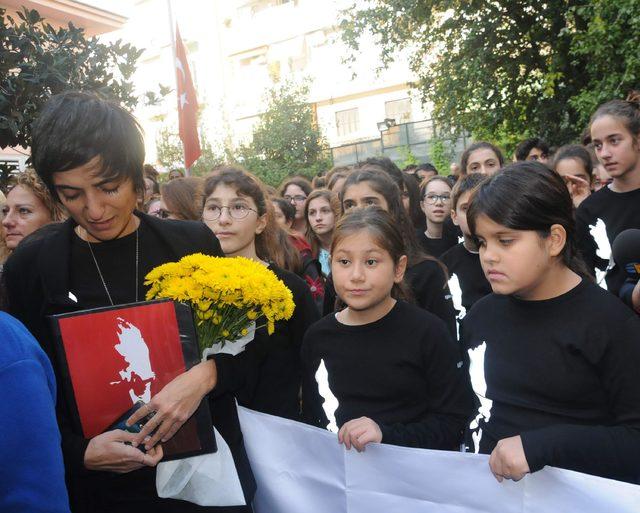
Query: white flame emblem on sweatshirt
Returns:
{"type": "Point", "coordinates": [479, 384]}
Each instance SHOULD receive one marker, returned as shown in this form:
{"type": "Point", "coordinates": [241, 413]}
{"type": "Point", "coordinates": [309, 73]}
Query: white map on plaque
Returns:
{"type": "Point", "coordinates": [135, 352]}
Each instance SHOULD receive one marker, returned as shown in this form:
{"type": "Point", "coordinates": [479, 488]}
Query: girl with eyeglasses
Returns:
{"type": "Point", "coordinates": [295, 190]}
{"type": "Point", "coordinates": [435, 201]}
{"type": "Point", "coordinates": [266, 376]}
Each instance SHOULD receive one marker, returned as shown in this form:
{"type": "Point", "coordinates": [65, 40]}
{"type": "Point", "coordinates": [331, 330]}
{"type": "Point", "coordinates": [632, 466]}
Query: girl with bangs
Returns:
{"type": "Point", "coordinates": [552, 387]}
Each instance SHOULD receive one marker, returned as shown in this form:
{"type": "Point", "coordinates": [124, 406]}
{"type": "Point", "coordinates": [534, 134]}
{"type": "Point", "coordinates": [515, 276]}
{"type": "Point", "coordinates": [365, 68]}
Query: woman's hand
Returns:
{"type": "Point", "coordinates": [174, 404]}
{"type": "Point", "coordinates": [508, 461]}
{"type": "Point", "coordinates": [112, 451]}
{"type": "Point", "coordinates": [359, 432]}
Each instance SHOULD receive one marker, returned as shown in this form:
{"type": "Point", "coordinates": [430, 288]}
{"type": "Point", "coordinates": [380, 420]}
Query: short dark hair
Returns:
{"type": "Point", "coordinates": [523, 149]}
{"type": "Point", "coordinates": [74, 127]}
{"type": "Point", "coordinates": [465, 184]}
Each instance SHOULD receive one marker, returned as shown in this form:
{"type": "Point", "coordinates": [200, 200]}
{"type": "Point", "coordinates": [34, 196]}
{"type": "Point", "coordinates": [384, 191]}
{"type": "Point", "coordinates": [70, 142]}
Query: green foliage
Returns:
{"type": "Point", "coordinates": [408, 158]}
{"type": "Point", "coordinates": [170, 152]}
{"type": "Point", "coordinates": [38, 60]}
{"type": "Point", "coordinates": [287, 139]}
{"type": "Point", "coordinates": [441, 155]}
{"type": "Point", "coordinates": [508, 70]}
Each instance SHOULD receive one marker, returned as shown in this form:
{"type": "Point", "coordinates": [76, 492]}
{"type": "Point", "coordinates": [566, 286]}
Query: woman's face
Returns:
{"type": "Point", "coordinates": [361, 195]}
{"type": "Point", "coordinates": [103, 208]}
{"type": "Point", "coordinates": [320, 216]}
{"type": "Point", "coordinates": [22, 214]}
{"type": "Point", "coordinates": [294, 194]}
{"type": "Point", "coordinates": [234, 220]}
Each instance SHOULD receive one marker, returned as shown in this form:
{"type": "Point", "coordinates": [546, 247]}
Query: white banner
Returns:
{"type": "Point", "coordinates": [302, 469]}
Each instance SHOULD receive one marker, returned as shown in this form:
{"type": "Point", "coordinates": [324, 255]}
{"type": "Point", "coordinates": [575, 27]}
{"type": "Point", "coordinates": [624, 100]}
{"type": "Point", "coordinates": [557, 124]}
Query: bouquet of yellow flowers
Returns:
{"type": "Point", "coordinates": [227, 295]}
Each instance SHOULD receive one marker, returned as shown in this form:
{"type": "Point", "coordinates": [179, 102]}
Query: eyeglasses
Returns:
{"type": "Point", "coordinates": [298, 199]}
{"type": "Point", "coordinates": [213, 212]}
{"type": "Point", "coordinates": [161, 213]}
{"type": "Point", "coordinates": [432, 199]}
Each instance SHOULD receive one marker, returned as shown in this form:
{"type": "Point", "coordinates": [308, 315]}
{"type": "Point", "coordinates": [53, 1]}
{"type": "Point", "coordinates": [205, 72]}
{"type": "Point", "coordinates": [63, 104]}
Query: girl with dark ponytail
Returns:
{"type": "Point", "coordinates": [553, 358]}
{"type": "Point", "coordinates": [615, 136]}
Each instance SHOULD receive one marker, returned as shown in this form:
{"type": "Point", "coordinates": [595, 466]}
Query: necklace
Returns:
{"type": "Point", "coordinates": [104, 283]}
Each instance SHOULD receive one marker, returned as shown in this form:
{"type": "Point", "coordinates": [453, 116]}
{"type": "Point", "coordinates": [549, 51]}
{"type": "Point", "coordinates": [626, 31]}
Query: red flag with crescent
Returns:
{"type": "Point", "coordinates": [187, 105]}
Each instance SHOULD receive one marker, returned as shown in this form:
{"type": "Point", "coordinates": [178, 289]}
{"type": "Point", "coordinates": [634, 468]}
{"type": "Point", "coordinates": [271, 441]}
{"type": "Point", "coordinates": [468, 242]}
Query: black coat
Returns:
{"type": "Point", "coordinates": [36, 279]}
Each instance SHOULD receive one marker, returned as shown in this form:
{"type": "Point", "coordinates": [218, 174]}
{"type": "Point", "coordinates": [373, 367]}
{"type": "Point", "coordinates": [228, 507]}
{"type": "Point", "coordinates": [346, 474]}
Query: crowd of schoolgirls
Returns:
{"type": "Point", "coordinates": [480, 311]}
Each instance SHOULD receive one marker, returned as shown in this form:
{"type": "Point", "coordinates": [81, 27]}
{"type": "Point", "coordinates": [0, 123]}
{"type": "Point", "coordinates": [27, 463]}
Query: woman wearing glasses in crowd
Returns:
{"type": "Point", "coordinates": [295, 190]}
{"type": "Point", "coordinates": [239, 213]}
{"type": "Point", "coordinates": [435, 202]}
{"type": "Point", "coordinates": [90, 154]}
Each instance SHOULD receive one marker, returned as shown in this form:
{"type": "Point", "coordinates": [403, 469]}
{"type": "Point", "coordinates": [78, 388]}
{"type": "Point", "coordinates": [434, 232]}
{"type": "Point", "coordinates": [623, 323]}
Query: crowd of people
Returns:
{"type": "Point", "coordinates": [479, 311]}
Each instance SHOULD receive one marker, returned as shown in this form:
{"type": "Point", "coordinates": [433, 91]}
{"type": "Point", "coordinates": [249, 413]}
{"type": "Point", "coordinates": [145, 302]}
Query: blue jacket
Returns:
{"type": "Point", "coordinates": [31, 467]}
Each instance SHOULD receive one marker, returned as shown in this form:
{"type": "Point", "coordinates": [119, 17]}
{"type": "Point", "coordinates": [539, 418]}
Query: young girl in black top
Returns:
{"type": "Point", "coordinates": [393, 369]}
{"type": "Point", "coordinates": [435, 202]}
{"type": "Point", "coordinates": [426, 276]}
{"type": "Point", "coordinates": [615, 135]}
{"type": "Point", "coordinates": [553, 387]}
{"type": "Point", "coordinates": [266, 377]}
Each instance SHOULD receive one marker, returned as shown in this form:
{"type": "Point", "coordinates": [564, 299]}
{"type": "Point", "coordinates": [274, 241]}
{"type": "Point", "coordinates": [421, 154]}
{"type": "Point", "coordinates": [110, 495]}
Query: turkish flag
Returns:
{"type": "Point", "coordinates": [187, 106]}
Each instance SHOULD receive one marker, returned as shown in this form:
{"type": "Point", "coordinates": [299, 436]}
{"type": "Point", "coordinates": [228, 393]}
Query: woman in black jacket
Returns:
{"type": "Point", "coordinates": [90, 154]}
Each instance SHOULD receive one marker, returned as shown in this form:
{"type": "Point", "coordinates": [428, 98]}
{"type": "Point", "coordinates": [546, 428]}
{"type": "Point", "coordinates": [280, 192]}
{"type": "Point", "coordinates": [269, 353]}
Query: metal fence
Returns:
{"type": "Point", "coordinates": [397, 142]}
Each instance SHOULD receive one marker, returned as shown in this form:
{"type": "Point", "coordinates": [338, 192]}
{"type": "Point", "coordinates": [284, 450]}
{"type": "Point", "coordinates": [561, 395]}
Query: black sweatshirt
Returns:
{"type": "Point", "coordinates": [436, 247]}
{"type": "Point", "coordinates": [618, 211]}
{"type": "Point", "coordinates": [402, 371]}
{"type": "Point", "coordinates": [561, 373]}
{"type": "Point", "coordinates": [466, 266]}
{"type": "Point", "coordinates": [427, 281]}
{"type": "Point", "coordinates": [267, 376]}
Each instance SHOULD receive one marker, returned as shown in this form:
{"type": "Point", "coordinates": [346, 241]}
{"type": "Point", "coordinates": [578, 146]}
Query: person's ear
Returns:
{"type": "Point", "coordinates": [454, 217]}
{"type": "Point", "coordinates": [400, 269]}
{"type": "Point", "coordinates": [261, 224]}
{"type": "Point", "coordinates": [557, 239]}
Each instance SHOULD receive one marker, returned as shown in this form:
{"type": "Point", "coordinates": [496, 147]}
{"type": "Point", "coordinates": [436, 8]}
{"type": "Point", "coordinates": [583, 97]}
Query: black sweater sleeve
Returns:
{"type": "Point", "coordinates": [613, 451]}
{"type": "Point", "coordinates": [428, 284]}
{"type": "Point", "coordinates": [448, 398]}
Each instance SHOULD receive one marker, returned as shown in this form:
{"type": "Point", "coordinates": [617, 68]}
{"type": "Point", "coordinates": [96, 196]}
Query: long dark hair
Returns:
{"type": "Point", "coordinates": [529, 196]}
{"type": "Point", "coordinates": [382, 227]}
{"type": "Point", "coordinates": [334, 203]}
{"type": "Point", "coordinates": [382, 184]}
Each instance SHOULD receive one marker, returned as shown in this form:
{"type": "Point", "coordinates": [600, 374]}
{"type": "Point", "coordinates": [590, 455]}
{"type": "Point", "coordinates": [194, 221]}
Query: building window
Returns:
{"type": "Point", "coordinates": [347, 122]}
{"type": "Point", "coordinates": [400, 110]}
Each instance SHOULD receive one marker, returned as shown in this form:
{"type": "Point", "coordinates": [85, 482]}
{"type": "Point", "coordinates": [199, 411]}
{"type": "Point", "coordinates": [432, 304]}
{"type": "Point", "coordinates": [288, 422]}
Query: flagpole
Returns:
{"type": "Point", "coordinates": [173, 52]}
